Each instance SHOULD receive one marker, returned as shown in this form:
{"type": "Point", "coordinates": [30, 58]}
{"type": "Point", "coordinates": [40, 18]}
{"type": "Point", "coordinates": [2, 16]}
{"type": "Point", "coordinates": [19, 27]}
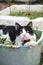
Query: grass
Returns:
{"type": "Point", "coordinates": [31, 15]}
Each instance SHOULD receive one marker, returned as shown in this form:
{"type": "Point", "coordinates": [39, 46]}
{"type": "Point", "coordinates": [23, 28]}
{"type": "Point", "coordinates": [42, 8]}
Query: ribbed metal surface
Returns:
{"type": "Point", "coordinates": [20, 56]}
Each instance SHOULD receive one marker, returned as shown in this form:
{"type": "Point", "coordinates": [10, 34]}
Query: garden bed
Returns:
{"type": "Point", "coordinates": [22, 8]}
{"type": "Point", "coordinates": [31, 15]}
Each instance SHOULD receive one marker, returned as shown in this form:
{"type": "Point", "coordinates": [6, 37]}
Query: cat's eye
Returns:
{"type": "Point", "coordinates": [27, 31]}
{"type": "Point", "coordinates": [20, 31]}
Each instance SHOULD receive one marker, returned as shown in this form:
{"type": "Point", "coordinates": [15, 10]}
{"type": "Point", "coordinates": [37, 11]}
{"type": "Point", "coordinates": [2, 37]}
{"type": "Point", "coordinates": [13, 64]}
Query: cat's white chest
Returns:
{"type": "Point", "coordinates": [18, 41]}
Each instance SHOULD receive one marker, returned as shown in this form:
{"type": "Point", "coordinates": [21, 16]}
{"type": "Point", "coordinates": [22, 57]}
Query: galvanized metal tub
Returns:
{"type": "Point", "coordinates": [21, 55]}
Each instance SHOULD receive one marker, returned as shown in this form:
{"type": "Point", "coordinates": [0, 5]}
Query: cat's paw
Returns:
{"type": "Point", "coordinates": [28, 44]}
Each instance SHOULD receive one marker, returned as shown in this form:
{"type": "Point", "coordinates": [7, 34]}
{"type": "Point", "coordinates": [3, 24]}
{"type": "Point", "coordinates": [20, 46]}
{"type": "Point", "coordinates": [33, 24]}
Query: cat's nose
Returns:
{"type": "Point", "coordinates": [24, 35]}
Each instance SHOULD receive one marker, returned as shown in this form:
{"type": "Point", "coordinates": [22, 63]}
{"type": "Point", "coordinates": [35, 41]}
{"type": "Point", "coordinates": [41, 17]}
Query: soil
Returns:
{"type": "Point", "coordinates": [3, 6]}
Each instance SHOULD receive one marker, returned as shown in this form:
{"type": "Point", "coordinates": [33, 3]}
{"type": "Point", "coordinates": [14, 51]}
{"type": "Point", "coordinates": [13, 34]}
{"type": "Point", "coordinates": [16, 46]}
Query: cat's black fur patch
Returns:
{"type": "Point", "coordinates": [25, 41]}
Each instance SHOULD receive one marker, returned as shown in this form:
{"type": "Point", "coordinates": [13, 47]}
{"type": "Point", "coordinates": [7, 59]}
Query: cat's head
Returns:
{"type": "Point", "coordinates": [24, 31]}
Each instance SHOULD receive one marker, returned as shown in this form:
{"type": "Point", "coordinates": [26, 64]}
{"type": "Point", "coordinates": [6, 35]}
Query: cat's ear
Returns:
{"type": "Point", "coordinates": [17, 26]}
{"type": "Point", "coordinates": [30, 24]}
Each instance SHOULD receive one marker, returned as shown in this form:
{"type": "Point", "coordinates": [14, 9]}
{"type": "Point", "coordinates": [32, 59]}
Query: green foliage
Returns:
{"type": "Point", "coordinates": [41, 1]}
{"type": "Point", "coordinates": [31, 15]}
{"type": "Point", "coordinates": [35, 15]}
{"type": "Point", "coordinates": [38, 34]}
{"type": "Point", "coordinates": [2, 40]}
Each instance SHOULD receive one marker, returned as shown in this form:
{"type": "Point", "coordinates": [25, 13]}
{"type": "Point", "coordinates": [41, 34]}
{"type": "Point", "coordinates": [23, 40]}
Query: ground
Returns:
{"type": "Point", "coordinates": [3, 6]}
{"type": "Point", "coordinates": [41, 62]}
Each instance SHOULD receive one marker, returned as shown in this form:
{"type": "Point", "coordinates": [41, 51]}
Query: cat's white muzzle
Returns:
{"type": "Point", "coordinates": [25, 36]}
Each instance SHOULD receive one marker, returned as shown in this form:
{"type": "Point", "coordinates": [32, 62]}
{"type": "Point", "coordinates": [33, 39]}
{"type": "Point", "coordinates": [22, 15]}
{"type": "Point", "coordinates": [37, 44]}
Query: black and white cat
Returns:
{"type": "Point", "coordinates": [25, 35]}
{"type": "Point", "coordinates": [20, 35]}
